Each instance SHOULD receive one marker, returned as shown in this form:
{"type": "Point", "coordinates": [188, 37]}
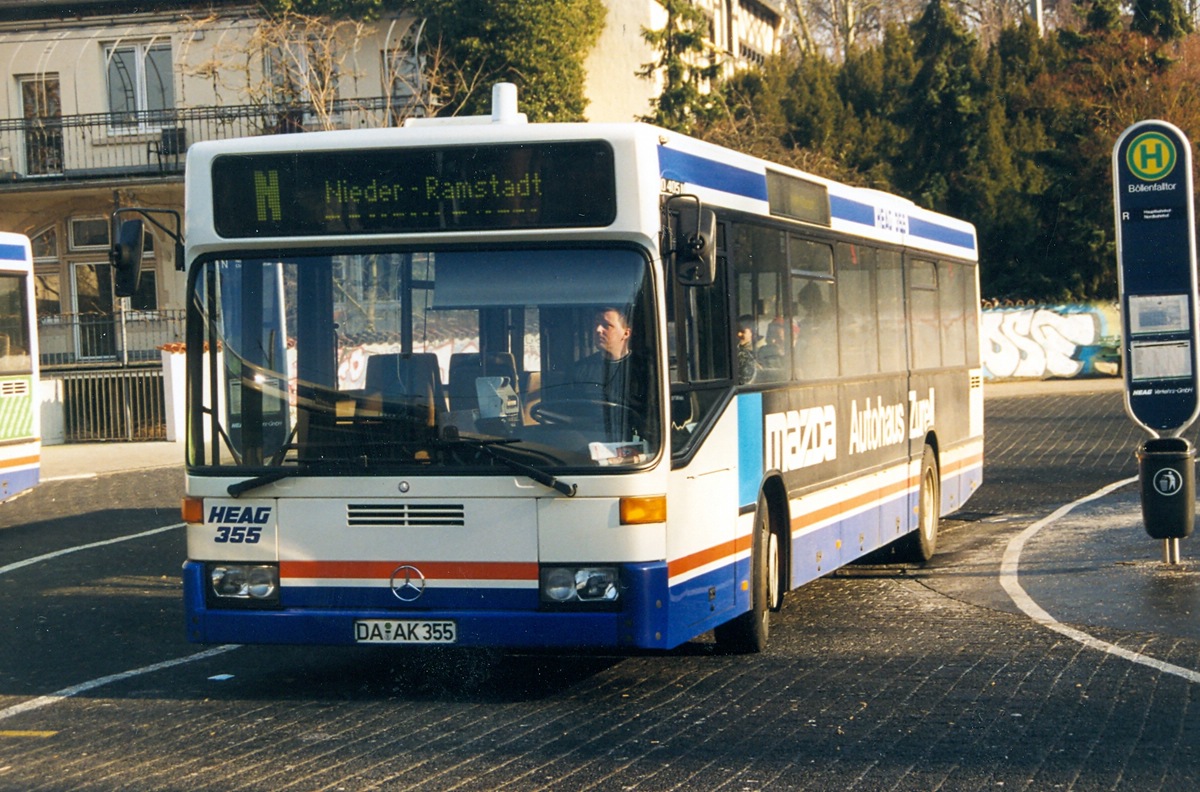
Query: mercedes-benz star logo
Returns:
{"type": "Point", "coordinates": [408, 584]}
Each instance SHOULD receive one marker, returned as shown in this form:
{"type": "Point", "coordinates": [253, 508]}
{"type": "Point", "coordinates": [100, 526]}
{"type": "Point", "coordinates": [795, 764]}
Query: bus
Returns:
{"type": "Point", "coordinates": [20, 424]}
{"type": "Point", "coordinates": [477, 383]}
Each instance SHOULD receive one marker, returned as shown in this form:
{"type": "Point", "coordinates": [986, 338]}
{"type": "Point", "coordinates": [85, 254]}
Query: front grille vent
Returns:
{"type": "Point", "coordinates": [405, 515]}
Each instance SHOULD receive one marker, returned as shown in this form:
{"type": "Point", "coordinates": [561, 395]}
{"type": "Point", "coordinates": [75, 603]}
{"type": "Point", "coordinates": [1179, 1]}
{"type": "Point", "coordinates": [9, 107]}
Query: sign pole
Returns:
{"type": "Point", "coordinates": [1156, 278]}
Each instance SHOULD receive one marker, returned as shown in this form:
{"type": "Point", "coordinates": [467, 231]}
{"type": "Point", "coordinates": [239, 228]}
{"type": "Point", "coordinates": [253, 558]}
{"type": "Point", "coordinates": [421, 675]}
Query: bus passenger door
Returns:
{"type": "Point", "coordinates": [703, 510]}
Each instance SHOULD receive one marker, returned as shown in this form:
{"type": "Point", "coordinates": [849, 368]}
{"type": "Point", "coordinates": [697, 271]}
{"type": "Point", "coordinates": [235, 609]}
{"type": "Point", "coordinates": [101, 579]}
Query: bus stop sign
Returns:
{"type": "Point", "coordinates": [1156, 275]}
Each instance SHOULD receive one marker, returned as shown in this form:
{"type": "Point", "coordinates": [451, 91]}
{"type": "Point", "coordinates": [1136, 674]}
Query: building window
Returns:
{"type": "Point", "coordinates": [45, 245]}
{"type": "Point", "coordinates": [402, 80]}
{"type": "Point", "coordinates": [750, 55]}
{"type": "Point", "coordinates": [89, 234]}
{"type": "Point", "coordinates": [141, 86]}
{"type": "Point", "coordinates": [41, 105]}
{"type": "Point", "coordinates": [146, 296]}
{"type": "Point", "coordinates": [47, 293]}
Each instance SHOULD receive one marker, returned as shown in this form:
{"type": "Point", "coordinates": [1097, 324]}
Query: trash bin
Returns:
{"type": "Point", "coordinates": [1166, 472]}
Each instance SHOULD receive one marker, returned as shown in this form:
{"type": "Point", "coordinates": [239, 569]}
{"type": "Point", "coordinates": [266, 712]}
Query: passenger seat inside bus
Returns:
{"type": "Point", "coordinates": [407, 385]}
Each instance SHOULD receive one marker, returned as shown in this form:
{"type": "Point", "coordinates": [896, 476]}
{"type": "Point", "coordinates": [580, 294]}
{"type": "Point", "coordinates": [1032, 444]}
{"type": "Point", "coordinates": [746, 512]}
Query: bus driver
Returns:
{"type": "Point", "coordinates": [614, 375]}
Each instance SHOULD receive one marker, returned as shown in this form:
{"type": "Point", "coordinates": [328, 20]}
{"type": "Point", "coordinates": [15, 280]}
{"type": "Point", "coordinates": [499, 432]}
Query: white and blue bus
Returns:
{"type": "Point", "coordinates": [20, 425]}
{"type": "Point", "coordinates": [479, 383]}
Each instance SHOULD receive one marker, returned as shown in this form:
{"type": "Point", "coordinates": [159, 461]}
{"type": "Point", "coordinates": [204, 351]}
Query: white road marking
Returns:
{"type": "Point", "coordinates": [1010, 568]}
{"type": "Point", "coordinates": [68, 550]}
{"type": "Point", "coordinates": [83, 687]}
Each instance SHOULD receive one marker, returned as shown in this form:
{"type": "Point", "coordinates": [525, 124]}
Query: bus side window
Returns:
{"type": "Point", "coordinates": [951, 309]}
{"type": "Point", "coordinates": [925, 332]}
{"type": "Point", "coordinates": [856, 309]}
{"type": "Point", "coordinates": [760, 267]}
{"type": "Point", "coordinates": [971, 311]}
{"type": "Point", "coordinates": [889, 280]}
{"type": "Point", "coordinates": [814, 310]}
{"type": "Point", "coordinates": [701, 350]}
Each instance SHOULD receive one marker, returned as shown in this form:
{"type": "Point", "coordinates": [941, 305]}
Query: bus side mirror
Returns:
{"type": "Point", "coordinates": [694, 248]}
{"type": "Point", "coordinates": [126, 257]}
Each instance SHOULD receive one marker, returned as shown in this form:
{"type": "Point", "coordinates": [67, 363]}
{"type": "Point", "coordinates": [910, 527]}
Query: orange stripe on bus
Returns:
{"type": "Point", "coordinates": [19, 461]}
{"type": "Point", "coordinates": [803, 521]}
{"type": "Point", "coordinates": [694, 561]}
{"type": "Point", "coordinates": [971, 461]}
{"type": "Point", "coordinates": [807, 519]}
{"type": "Point", "coordinates": [720, 552]}
{"type": "Point", "coordinates": [456, 570]}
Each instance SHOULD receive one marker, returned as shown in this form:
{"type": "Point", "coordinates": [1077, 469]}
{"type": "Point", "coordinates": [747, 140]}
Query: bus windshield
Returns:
{"type": "Point", "coordinates": [382, 362]}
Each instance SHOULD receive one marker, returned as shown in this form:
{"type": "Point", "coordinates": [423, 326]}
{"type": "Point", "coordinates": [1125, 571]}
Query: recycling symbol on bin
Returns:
{"type": "Point", "coordinates": [1168, 482]}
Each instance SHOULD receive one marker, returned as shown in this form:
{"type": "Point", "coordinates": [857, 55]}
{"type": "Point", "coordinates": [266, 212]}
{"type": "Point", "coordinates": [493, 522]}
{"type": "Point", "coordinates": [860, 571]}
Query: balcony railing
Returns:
{"type": "Point", "coordinates": [125, 337]}
{"type": "Point", "coordinates": [151, 144]}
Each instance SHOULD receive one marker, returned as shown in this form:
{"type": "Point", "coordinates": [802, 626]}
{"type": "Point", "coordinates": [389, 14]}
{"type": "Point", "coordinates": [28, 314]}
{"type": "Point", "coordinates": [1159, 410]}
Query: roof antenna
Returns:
{"type": "Point", "coordinates": [504, 105]}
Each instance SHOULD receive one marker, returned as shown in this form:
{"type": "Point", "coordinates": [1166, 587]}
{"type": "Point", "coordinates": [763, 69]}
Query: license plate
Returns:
{"type": "Point", "coordinates": [405, 631]}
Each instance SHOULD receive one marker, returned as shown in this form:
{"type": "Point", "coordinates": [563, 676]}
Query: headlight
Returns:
{"type": "Point", "coordinates": [558, 584]}
{"type": "Point", "coordinates": [563, 585]}
{"type": "Point", "coordinates": [248, 582]}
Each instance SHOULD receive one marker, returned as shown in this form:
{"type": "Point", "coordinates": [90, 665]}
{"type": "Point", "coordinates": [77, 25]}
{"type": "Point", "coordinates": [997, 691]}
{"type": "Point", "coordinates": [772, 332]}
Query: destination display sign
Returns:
{"type": "Point", "coordinates": [407, 190]}
{"type": "Point", "coordinates": [1152, 186]}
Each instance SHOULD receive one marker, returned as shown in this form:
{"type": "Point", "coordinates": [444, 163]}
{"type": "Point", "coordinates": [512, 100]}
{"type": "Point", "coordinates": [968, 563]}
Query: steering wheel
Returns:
{"type": "Point", "coordinates": [569, 412]}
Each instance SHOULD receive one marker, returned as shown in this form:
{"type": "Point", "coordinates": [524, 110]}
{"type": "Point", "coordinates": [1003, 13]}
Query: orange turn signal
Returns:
{"type": "Point", "coordinates": [642, 510]}
{"type": "Point", "coordinates": [192, 510]}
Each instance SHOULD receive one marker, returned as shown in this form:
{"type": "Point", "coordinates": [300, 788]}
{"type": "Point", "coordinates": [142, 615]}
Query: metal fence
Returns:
{"type": "Point", "coordinates": [111, 371]}
{"type": "Point", "coordinates": [106, 145]}
{"type": "Point", "coordinates": [118, 404]}
{"type": "Point", "coordinates": [125, 337]}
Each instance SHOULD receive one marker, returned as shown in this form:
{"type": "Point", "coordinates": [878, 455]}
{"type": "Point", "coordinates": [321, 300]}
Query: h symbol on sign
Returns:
{"type": "Point", "coordinates": [1152, 152]}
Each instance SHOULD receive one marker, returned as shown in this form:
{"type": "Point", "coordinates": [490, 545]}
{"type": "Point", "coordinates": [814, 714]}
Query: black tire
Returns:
{"type": "Point", "coordinates": [749, 632]}
{"type": "Point", "coordinates": [920, 545]}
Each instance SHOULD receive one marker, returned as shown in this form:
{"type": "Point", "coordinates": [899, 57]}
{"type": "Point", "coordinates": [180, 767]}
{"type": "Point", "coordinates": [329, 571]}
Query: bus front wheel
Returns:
{"type": "Point", "coordinates": [748, 633]}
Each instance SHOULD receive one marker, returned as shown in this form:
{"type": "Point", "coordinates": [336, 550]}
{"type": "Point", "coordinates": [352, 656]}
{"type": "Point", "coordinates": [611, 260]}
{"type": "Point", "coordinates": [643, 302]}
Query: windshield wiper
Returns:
{"type": "Point", "coordinates": [489, 448]}
{"type": "Point", "coordinates": [242, 487]}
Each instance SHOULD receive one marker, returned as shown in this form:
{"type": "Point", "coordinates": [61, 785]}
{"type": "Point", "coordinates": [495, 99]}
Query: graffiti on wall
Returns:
{"type": "Point", "coordinates": [1051, 341]}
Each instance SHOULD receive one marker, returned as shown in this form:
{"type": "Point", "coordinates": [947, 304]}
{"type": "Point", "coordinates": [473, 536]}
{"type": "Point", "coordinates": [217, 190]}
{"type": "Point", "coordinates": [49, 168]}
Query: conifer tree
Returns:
{"type": "Point", "coordinates": [686, 65]}
{"type": "Point", "coordinates": [943, 110]}
{"type": "Point", "coordinates": [1165, 20]}
{"type": "Point", "coordinates": [1014, 177]}
{"type": "Point", "coordinates": [538, 44]}
{"type": "Point", "coordinates": [875, 84]}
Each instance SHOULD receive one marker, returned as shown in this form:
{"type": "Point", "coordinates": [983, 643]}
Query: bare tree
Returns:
{"type": "Point", "coordinates": [316, 72]}
{"type": "Point", "coordinates": [835, 27]}
{"type": "Point", "coordinates": [989, 17]}
{"type": "Point", "coordinates": [805, 41]}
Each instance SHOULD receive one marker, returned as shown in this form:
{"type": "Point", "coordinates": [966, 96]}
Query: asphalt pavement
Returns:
{"type": "Point", "coordinates": [1083, 564]}
{"type": "Point", "coordinates": [81, 460]}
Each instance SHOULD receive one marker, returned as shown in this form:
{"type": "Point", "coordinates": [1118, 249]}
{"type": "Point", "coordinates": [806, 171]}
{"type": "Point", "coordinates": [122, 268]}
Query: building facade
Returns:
{"type": "Point", "coordinates": [741, 33]}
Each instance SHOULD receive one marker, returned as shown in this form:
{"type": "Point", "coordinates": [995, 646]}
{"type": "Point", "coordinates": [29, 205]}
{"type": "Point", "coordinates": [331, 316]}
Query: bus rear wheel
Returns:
{"type": "Point", "coordinates": [748, 633]}
{"type": "Point", "coordinates": [919, 546]}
